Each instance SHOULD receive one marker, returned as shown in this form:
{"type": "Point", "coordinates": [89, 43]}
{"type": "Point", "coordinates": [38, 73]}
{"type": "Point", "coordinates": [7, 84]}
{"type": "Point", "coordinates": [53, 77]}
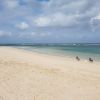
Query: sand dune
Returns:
{"type": "Point", "coordinates": [32, 76]}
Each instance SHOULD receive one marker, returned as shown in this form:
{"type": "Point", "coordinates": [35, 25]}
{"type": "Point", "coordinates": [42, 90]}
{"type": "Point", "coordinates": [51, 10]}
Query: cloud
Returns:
{"type": "Point", "coordinates": [10, 4]}
{"type": "Point", "coordinates": [5, 34]}
{"type": "Point", "coordinates": [44, 34]}
{"type": "Point", "coordinates": [27, 35]}
{"type": "Point", "coordinates": [42, 21]}
{"type": "Point", "coordinates": [22, 26]}
{"type": "Point", "coordinates": [53, 13]}
{"type": "Point", "coordinates": [67, 13]}
{"type": "Point", "coordinates": [97, 17]}
{"type": "Point", "coordinates": [33, 35]}
{"type": "Point", "coordinates": [34, 18]}
{"type": "Point", "coordinates": [57, 19]}
{"type": "Point", "coordinates": [73, 6]}
{"type": "Point", "coordinates": [95, 23]}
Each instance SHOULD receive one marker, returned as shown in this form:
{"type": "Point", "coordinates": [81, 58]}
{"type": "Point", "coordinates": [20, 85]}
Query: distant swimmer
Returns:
{"type": "Point", "coordinates": [77, 58]}
{"type": "Point", "coordinates": [90, 60]}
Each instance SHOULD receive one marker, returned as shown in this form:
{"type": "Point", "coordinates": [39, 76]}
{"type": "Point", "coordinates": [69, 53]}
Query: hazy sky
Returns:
{"type": "Point", "coordinates": [23, 21]}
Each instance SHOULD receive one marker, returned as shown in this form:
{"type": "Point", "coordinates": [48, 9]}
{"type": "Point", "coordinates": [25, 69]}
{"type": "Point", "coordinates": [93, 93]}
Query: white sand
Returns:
{"type": "Point", "coordinates": [31, 76]}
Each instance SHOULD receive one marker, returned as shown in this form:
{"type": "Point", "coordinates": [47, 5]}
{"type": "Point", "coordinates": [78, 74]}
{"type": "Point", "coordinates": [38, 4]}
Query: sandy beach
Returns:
{"type": "Point", "coordinates": [28, 75]}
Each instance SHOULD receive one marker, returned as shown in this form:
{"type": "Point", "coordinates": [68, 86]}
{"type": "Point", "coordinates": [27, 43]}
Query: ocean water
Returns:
{"type": "Point", "coordinates": [84, 51]}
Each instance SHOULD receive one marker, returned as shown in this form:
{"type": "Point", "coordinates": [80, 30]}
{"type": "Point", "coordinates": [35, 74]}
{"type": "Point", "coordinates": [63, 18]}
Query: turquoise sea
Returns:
{"type": "Point", "coordinates": [83, 50]}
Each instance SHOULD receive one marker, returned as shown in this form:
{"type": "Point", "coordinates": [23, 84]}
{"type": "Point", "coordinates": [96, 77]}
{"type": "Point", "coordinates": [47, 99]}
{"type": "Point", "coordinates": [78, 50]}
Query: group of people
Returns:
{"type": "Point", "coordinates": [78, 59]}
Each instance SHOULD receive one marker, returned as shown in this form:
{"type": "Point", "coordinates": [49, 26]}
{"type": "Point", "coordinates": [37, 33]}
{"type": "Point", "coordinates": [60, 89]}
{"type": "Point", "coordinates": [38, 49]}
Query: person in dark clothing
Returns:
{"type": "Point", "coordinates": [77, 58]}
{"type": "Point", "coordinates": [90, 59]}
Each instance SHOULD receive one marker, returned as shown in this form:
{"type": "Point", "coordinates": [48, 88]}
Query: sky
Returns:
{"type": "Point", "coordinates": [49, 21]}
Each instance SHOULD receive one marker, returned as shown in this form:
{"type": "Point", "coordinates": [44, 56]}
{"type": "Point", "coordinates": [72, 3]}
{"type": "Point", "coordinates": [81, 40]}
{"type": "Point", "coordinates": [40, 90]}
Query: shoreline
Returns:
{"type": "Point", "coordinates": [26, 75]}
{"type": "Point", "coordinates": [69, 56]}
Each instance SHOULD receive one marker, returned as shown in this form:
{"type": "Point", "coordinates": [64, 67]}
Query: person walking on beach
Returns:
{"type": "Point", "coordinates": [77, 58]}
